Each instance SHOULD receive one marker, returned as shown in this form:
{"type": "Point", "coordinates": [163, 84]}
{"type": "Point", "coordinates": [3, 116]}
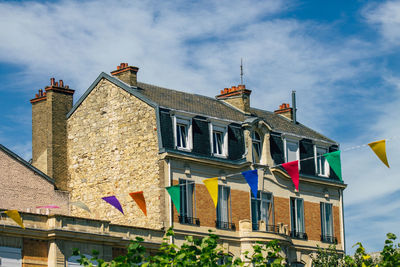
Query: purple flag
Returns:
{"type": "Point", "coordinates": [112, 200]}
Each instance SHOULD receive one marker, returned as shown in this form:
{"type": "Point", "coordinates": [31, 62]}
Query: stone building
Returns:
{"type": "Point", "coordinates": [124, 136]}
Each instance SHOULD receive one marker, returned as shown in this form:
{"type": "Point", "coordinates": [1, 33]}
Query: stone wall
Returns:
{"type": "Point", "coordinates": [113, 150]}
{"type": "Point", "coordinates": [22, 189]}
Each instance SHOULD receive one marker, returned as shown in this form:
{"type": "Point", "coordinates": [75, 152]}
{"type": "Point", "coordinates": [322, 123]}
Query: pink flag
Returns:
{"type": "Point", "coordinates": [292, 168]}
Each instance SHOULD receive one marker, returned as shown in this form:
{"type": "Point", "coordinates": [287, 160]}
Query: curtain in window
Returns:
{"type": "Point", "coordinates": [223, 204]}
{"type": "Point", "coordinates": [300, 216]}
{"type": "Point", "coordinates": [326, 220]}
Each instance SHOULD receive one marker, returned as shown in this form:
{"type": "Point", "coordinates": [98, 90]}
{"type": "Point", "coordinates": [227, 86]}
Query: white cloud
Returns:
{"type": "Point", "coordinates": [197, 48]}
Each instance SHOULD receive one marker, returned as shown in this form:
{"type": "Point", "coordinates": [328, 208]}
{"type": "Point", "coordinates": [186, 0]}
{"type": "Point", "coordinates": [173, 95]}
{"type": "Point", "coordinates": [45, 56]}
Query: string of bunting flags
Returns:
{"type": "Point", "coordinates": [251, 177]}
{"type": "Point", "coordinates": [292, 169]}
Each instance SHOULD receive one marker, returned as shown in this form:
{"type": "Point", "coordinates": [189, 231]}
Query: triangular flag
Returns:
{"type": "Point", "coordinates": [379, 147]}
{"type": "Point", "coordinates": [212, 187]}
{"type": "Point", "coordinates": [14, 215]}
{"type": "Point", "coordinates": [292, 168]}
{"type": "Point", "coordinates": [112, 200]}
{"type": "Point", "coordinates": [175, 193]}
{"type": "Point", "coordinates": [81, 205]}
{"type": "Point", "coordinates": [252, 179]}
{"type": "Point", "coordinates": [333, 159]}
{"type": "Point", "coordinates": [140, 201]}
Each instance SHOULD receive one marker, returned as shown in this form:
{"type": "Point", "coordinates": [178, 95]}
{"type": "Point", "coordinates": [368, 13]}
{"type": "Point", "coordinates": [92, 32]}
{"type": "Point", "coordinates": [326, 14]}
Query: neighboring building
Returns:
{"type": "Point", "coordinates": [124, 136]}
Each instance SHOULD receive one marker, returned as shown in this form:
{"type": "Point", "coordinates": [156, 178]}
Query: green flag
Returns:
{"type": "Point", "coordinates": [175, 194]}
{"type": "Point", "coordinates": [333, 159]}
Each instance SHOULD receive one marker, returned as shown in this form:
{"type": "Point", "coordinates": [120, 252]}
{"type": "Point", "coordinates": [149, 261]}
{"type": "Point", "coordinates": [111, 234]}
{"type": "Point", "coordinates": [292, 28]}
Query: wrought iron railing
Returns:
{"type": "Point", "coordinates": [225, 225]}
{"type": "Point", "coordinates": [270, 228]}
{"type": "Point", "coordinates": [298, 235]}
{"type": "Point", "coordinates": [189, 220]}
{"type": "Point", "coordinates": [329, 239]}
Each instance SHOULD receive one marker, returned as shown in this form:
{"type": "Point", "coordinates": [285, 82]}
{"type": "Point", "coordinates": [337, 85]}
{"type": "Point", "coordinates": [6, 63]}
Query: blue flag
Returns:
{"type": "Point", "coordinates": [252, 179]}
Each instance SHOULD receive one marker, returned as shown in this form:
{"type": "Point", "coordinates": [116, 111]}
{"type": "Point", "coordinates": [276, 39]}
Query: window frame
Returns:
{"type": "Point", "coordinates": [184, 198]}
{"type": "Point", "coordinates": [291, 140]}
{"type": "Point", "coordinates": [189, 140]}
{"type": "Point", "coordinates": [259, 142]}
{"type": "Point", "coordinates": [215, 127]}
{"type": "Point", "coordinates": [316, 161]}
{"type": "Point", "coordinates": [259, 201]}
{"type": "Point", "coordinates": [295, 227]}
{"type": "Point", "coordinates": [324, 222]}
{"type": "Point", "coordinates": [220, 224]}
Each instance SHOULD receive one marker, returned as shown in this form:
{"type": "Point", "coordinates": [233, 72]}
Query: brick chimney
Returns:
{"type": "Point", "coordinates": [127, 74]}
{"type": "Point", "coordinates": [238, 97]}
{"type": "Point", "coordinates": [285, 110]}
{"type": "Point", "coordinates": [49, 130]}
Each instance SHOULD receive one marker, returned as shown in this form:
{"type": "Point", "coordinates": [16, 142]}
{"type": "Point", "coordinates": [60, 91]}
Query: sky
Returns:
{"type": "Point", "coordinates": [342, 58]}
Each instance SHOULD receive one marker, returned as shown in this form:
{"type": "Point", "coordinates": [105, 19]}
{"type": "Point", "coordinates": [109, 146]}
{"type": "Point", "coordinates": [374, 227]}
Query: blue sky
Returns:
{"type": "Point", "coordinates": [342, 58]}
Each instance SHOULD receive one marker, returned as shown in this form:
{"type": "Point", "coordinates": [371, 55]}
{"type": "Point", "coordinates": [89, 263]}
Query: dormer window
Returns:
{"type": "Point", "coordinates": [291, 150]}
{"type": "Point", "coordinates": [183, 134]}
{"type": "Point", "coordinates": [256, 140]}
{"type": "Point", "coordinates": [219, 140]}
{"type": "Point", "coordinates": [321, 165]}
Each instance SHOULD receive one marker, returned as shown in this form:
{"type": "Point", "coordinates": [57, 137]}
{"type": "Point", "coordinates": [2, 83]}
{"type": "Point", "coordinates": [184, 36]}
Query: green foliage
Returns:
{"type": "Point", "coordinates": [389, 256]}
{"type": "Point", "coordinates": [207, 252]}
{"type": "Point", "coordinates": [193, 252]}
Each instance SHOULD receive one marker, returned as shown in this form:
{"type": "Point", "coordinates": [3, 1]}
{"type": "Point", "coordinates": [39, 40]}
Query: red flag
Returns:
{"type": "Point", "coordinates": [292, 168]}
{"type": "Point", "coordinates": [140, 201]}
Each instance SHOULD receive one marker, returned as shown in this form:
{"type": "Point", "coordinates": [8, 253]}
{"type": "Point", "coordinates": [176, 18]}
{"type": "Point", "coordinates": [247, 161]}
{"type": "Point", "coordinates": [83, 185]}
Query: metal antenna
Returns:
{"type": "Point", "coordinates": [241, 71]}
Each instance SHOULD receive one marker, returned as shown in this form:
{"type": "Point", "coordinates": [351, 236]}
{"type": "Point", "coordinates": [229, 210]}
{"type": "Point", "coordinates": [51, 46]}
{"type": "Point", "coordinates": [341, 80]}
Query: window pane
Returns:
{"type": "Point", "coordinates": [300, 216]}
{"type": "Point", "coordinates": [321, 161]}
{"type": "Point", "coordinates": [178, 136]}
{"type": "Point", "coordinates": [256, 140]}
{"type": "Point", "coordinates": [291, 151]}
{"type": "Point", "coordinates": [217, 142]}
{"type": "Point", "coordinates": [223, 207]}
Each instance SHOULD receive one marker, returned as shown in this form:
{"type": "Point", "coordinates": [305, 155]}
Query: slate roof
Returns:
{"type": "Point", "coordinates": [211, 107]}
{"type": "Point", "coordinates": [188, 102]}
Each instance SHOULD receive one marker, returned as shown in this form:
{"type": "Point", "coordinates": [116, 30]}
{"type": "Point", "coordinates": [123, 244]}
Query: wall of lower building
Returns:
{"type": "Point", "coordinates": [113, 150]}
{"type": "Point", "coordinates": [23, 189]}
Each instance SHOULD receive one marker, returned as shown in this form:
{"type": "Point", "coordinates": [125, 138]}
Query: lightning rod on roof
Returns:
{"type": "Point", "coordinates": [241, 71]}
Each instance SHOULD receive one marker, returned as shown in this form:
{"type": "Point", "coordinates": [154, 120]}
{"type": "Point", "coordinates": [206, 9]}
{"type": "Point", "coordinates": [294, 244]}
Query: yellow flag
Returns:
{"type": "Point", "coordinates": [379, 147]}
{"type": "Point", "coordinates": [14, 215]}
{"type": "Point", "coordinates": [212, 187]}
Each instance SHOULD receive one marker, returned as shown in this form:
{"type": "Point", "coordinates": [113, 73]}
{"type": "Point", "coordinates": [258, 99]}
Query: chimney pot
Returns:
{"type": "Point", "coordinates": [37, 95]}
{"type": "Point", "coordinates": [67, 87]}
{"type": "Point", "coordinates": [52, 81]}
{"type": "Point", "coordinates": [61, 83]}
{"type": "Point", "coordinates": [56, 84]}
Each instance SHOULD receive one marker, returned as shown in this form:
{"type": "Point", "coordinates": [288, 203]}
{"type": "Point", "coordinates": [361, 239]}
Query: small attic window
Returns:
{"type": "Point", "coordinates": [183, 133]}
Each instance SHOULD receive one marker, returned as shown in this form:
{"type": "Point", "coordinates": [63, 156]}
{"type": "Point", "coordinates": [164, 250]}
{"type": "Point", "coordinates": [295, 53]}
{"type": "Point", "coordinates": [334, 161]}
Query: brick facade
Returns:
{"type": "Point", "coordinates": [282, 210]}
{"type": "Point", "coordinates": [312, 220]}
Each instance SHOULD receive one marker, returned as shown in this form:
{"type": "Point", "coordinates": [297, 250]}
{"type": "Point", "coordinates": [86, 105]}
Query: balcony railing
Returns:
{"type": "Point", "coordinates": [329, 239]}
{"type": "Point", "coordinates": [189, 220]}
{"type": "Point", "coordinates": [298, 235]}
{"type": "Point", "coordinates": [225, 225]}
{"type": "Point", "coordinates": [270, 228]}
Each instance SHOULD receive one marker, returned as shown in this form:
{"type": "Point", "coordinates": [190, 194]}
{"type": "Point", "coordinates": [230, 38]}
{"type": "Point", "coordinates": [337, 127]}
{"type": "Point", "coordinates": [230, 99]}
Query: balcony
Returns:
{"type": "Point", "coordinates": [269, 228]}
{"type": "Point", "coordinates": [329, 239]}
{"type": "Point", "coordinates": [225, 225]}
{"type": "Point", "coordinates": [298, 235]}
{"type": "Point", "coordinates": [189, 220]}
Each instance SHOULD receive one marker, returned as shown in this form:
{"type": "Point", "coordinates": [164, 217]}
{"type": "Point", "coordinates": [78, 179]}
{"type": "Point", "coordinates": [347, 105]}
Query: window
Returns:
{"type": "Point", "coordinates": [256, 140]}
{"type": "Point", "coordinates": [187, 203]}
{"type": "Point", "coordinates": [183, 136]}
{"type": "Point", "coordinates": [291, 150]}
{"type": "Point", "coordinates": [224, 216]}
{"type": "Point", "coordinates": [297, 218]}
{"type": "Point", "coordinates": [326, 223]}
{"type": "Point", "coordinates": [10, 257]}
{"type": "Point", "coordinates": [219, 140]}
{"type": "Point", "coordinates": [321, 164]}
{"type": "Point", "coordinates": [262, 208]}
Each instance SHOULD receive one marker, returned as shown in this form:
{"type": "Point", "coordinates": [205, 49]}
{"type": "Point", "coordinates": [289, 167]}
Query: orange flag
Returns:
{"type": "Point", "coordinates": [14, 215]}
{"type": "Point", "coordinates": [140, 201]}
{"type": "Point", "coordinates": [379, 148]}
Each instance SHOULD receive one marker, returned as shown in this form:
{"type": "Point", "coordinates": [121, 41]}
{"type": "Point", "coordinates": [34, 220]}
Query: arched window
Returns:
{"type": "Point", "coordinates": [256, 140]}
